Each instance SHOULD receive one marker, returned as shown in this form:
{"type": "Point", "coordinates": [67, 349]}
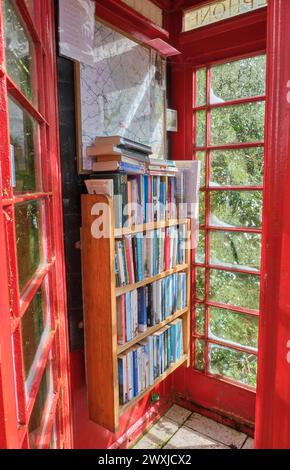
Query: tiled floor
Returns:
{"type": "Point", "coordinates": [182, 429]}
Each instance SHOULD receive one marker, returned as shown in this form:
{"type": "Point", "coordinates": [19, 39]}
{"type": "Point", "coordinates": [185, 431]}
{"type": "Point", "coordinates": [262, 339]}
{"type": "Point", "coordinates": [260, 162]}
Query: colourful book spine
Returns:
{"type": "Point", "coordinates": [129, 334]}
{"type": "Point", "coordinates": [135, 372]}
{"type": "Point", "coordinates": [129, 258]}
{"type": "Point", "coordinates": [134, 310]}
{"type": "Point", "coordinates": [123, 397]}
{"type": "Point", "coordinates": [151, 360]}
{"type": "Point", "coordinates": [121, 319]}
{"type": "Point", "coordinates": [142, 310]}
{"type": "Point", "coordinates": [131, 375]}
{"type": "Point", "coordinates": [139, 239]}
{"type": "Point", "coordinates": [167, 249]}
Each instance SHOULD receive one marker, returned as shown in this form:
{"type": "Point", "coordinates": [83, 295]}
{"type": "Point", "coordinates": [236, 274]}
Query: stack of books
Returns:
{"type": "Point", "coordinates": [142, 364]}
{"type": "Point", "coordinates": [149, 305]}
{"type": "Point", "coordinates": [144, 255]}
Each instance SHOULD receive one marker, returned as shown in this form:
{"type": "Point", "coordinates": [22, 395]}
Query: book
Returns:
{"type": "Point", "coordinates": [120, 197]}
{"type": "Point", "coordinates": [121, 319]}
{"type": "Point", "coordinates": [122, 373]}
{"type": "Point", "coordinates": [120, 167]}
{"type": "Point", "coordinates": [123, 142]}
{"type": "Point", "coordinates": [102, 186]}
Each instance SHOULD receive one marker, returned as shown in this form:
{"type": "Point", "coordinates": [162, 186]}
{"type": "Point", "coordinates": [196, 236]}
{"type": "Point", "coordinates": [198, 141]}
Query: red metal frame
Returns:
{"type": "Point", "coordinates": [14, 431]}
{"type": "Point", "coordinates": [273, 399]}
{"type": "Point", "coordinates": [207, 266]}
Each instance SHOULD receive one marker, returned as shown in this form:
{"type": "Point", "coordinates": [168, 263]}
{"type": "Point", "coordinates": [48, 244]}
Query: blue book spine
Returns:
{"type": "Point", "coordinates": [173, 342]}
{"type": "Point", "coordinates": [129, 333]}
{"type": "Point", "coordinates": [151, 360]}
{"type": "Point", "coordinates": [135, 372]}
{"type": "Point", "coordinates": [146, 198]}
{"type": "Point", "coordinates": [130, 168]}
{"type": "Point", "coordinates": [162, 353]}
{"type": "Point", "coordinates": [142, 310]}
{"type": "Point", "coordinates": [131, 374]}
{"type": "Point", "coordinates": [155, 356]}
{"type": "Point", "coordinates": [139, 239]}
{"type": "Point", "coordinates": [169, 346]}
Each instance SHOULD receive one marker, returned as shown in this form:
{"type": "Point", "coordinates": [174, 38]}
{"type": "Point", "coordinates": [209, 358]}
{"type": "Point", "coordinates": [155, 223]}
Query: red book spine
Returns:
{"type": "Point", "coordinates": [167, 250]}
{"type": "Point", "coordinates": [121, 320]}
{"type": "Point", "coordinates": [129, 257]}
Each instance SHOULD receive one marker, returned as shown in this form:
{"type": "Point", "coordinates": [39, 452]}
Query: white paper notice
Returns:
{"type": "Point", "coordinates": [76, 30]}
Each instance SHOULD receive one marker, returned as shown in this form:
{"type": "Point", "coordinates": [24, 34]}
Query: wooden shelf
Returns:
{"type": "Point", "coordinates": [100, 312]}
{"type": "Point", "coordinates": [119, 232]}
{"type": "Point", "coordinates": [151, 330]}
{"type": "Point", "coordinates": [159, 379]}
{"type": "Point", "coordinates": [128, 287]}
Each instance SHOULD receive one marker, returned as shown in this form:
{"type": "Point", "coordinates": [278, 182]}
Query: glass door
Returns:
{"type": "Point", "coordinates": [228, 139]}
{"type": "Point", "coordinates": [31, 212]}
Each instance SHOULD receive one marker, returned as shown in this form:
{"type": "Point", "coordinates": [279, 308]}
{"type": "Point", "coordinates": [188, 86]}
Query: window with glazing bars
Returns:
{"type": "Point", "coordinates": [228, 139]}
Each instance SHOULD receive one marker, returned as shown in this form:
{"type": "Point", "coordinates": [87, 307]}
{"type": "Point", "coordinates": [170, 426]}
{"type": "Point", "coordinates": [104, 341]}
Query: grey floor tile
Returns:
{"type": "Point", "coordinates": [159, 434]}
{"type": "Point", "coordinates": [178, 414]}
{"type": "Point", "coordinates": [186, 438]}
{"type": "Point", "coordinates": [216, 431]}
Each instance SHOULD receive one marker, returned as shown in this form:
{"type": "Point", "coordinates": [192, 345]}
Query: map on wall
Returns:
{"type": "Point", "coordinates": [122, 93]}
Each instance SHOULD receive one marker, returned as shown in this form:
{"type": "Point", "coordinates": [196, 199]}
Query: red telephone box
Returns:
{"type": "Point", "coordinates": [43, 395]}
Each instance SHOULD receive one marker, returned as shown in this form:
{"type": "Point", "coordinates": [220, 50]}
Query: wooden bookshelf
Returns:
{"type": "Point", "coordinates": [100, 317]}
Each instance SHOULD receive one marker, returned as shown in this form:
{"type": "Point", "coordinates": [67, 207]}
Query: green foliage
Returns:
{"type": "Point", "coordinates": [243, 167]}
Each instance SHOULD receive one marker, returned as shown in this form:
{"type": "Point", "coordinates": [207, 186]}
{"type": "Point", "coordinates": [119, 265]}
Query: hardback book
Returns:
{"type": "Point", "coordinates": [121, 167]}
{"type": "Point", "coordinates": [102, 186]}
{"type": "Point", "coordinates": [121, 319]}
{"type": "Point", "coordinates": [123, 142]}
{"type": "Point", "coordinates": [122, 372]}
{"type": "Point", "coordinates": [129, 329]}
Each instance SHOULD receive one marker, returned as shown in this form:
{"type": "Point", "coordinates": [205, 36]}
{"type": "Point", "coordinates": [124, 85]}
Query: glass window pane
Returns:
{"type": "Point", "coordinates": [240, 79]}
{"type": "Point", "coordinates": [19, 51]}
{"type": "Point", "coordinates": [199, 319]}
{"type": "Point", "coordinates": [23, 135]}
{"type": "Point", "coordinates": [201, 157]}
{"type": "Point", "coordinates": [236, 365]}
{"type": "Point", "coordinates": [237, 289]}
{"type": "Point", "coordinates": [233, 327]}
{"type": "Point", "coordinates": [235, 124]}
{"type": "Point", "coordinates": [200, 87]}
{"type": "Point", "coordinates": [235, 249]}
{"type": "Point", "coordinates": [200, 252]}
{"type": "Point", "coordinates": [44, 390]}
{"type": "Point", "coordinates": [202, 207]}
{"type": "Point", "coordinates": [243, 167]}
{"type": "Point", "coordinates": [200, 280]}
{"type": "Point", "coordinates": [199, 354]}
{"type": "Point", "coordinates": [200, 128]}
{"type": "Point", "coordinates": [28, 236]}
{"type": "Point", "coordinates": [236, 208]}
{"type": "Point", "coordinates": [33, 324]}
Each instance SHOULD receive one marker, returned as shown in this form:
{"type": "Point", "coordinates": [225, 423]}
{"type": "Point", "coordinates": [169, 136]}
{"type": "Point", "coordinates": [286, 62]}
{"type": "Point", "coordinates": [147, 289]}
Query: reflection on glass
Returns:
{"type": "Point", "coordinates": [237, 289]}
{"type": "Point", "coordinates": [199, 281]}
{"type": "Point", "coordinates": [236, 208]}
{"type": "Point", "coordinates": [235, 249]}
{"type": "Point", "coordinates": [242, 167]}
{"type": "Point", "coordinates": [200, 252]}
{"type": "Point", "coordinates": [236, 365]}
{"type": "Point", "coordinates": [199, 354]}
{"type": "Point", "coordinates": [239, 79]}
{"type": "Point", "coordinates": [199, 319]}
{"type": "Point", "coordinates": [237, 328]}
{"type": "Point", "coordinates": [27, 226]}
{"type": "Point", "coordinates": [22, 134]}
{"type": "Point", "coordinates": [201, 207]}
{"type": "Point", "coordinates": [201, 157]}
{"type": "Point", "coordinates": [18, 49]}
{"type": "Point", "coordinates": [200, 126]}
{"type": "Point", "coordinates": [37, 412]}
{"type": "Point", "coordinates": [33, 325]}
{"type": "Point", "coordinates": [200, 87]}
{"type": "Point", "coordinates": [236, 124]}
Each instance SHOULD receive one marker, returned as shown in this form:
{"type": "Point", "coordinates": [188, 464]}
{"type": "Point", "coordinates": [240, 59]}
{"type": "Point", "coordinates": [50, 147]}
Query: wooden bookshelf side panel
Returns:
{"type": "Point", "coordinates": [100, 315]}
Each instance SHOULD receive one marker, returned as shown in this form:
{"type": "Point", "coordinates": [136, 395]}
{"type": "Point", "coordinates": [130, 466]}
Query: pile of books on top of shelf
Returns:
{"type": "Point", "coordinates": [142, 364]}
{"type": "Point", "coordinates": [122, 155]}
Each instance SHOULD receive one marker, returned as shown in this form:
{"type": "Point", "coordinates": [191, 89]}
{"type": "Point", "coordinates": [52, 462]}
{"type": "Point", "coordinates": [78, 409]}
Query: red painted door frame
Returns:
{"type": "Point", "coordinates": [17, 401]}
{"type": "Point", "coordinates": [273, 397]}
